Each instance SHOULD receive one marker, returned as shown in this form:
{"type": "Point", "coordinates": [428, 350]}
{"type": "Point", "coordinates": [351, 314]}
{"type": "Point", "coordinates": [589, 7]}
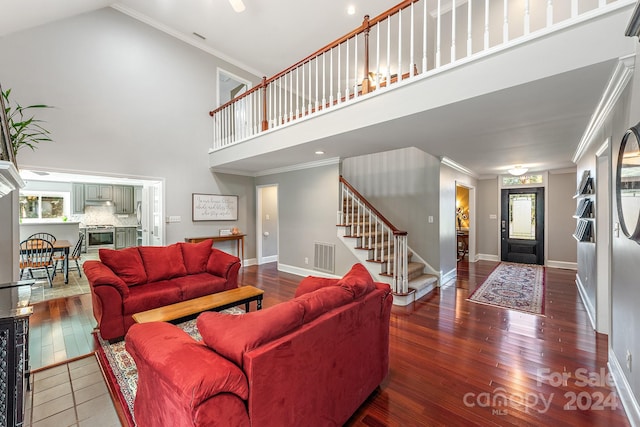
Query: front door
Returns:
{"type": "Point", "coordinates": [522, 225]}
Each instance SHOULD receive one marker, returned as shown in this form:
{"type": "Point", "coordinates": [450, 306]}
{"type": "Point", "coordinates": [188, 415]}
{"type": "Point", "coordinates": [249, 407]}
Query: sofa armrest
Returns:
{"type": "Point", "coordinates": [313, 283]}
{"type": "Point", "coordinates": [163, 352]}
{"type": "Point", "coordinates": [223, 264]}
{"type": "Point", "coordinates": [98, 274]}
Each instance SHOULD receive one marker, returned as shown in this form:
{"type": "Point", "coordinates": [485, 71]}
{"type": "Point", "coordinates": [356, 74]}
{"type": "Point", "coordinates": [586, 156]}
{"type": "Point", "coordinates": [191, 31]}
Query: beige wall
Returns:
{"type": "Point", "coordinates": [487, 218]}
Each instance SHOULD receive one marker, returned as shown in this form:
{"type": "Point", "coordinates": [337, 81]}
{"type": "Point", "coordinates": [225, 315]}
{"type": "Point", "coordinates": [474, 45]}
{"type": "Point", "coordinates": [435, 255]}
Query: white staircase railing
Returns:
{"type": "Point", "coordinates": [412, 39]}
{"type": "Point", "coordinates": [386, 244]}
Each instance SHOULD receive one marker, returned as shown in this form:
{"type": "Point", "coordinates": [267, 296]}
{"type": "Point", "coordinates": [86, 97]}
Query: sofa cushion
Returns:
{"type": "Point", "coordinates": [151, 295]}
{"type": "Point", "coordinates": [197, 285]}
{"type": "Point", "coordinates": [233, 335]}
{"type": "Point", "coordinates": [312, 283]}
{"type": "Point", "coordinates": [357, 280]}
{"type": "Point", "coordinates": [323, 300]}
{"type": "Point", "coordinates": [162, 262]}
{"type": "Point", "coordinates": [196, 256]}
{"type": "Point", "coordinates": [125, 263]}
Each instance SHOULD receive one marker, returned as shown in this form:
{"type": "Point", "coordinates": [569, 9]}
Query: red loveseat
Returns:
{"type": "Point", "coordinates": [131, 280]}
{"type": "Point", "coordinates": [310, 361]}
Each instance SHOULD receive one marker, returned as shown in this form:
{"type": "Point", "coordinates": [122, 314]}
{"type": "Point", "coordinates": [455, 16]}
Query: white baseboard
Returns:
{"type": "Point", "coordinates": [268, 259]}
{"type": "Point", "coordinates": [487, 257]}
{"type": "Point", "coordinates": [585, 300]}
{"type": "Point", "coordinates": [304, 271]}
{"type": "Point", "coordinates": [448, 276]}
{"type": "Point", "coordinates": [625, 393]}
{"type": "Point", "coordinates": [562, 264]}
{"type": "Point", "coordinates": [250, 261]}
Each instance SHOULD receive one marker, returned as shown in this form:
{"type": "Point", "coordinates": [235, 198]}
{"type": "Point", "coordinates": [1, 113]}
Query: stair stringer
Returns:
{"type": "Point", "coordinates": [418, 287]}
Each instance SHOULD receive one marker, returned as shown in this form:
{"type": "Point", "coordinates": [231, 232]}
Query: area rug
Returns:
{"type": "Point", "coordinates": [514, 286]}
{"type": "Point", "coordinates": [120, 370]}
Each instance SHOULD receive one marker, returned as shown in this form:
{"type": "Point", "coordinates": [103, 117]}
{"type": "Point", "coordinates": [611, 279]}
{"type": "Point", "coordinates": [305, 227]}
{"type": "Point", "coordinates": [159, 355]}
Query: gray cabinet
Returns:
{"type": "Point", "coordinates": [77, 198]}
{"type": "Point", "coordinates": [123, 199]}
{"type": "Point", "coordinates": [126, 237]}
{"type": "Point", "coordinates": [98, 192]}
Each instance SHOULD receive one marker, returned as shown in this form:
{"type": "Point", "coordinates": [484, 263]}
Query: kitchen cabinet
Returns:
{"type": "Point", "coordinates": [77, 198]}
{"type": "Point", "coordinates": [98, 192]}
{"type": "Point", "coordinates": [123, 199]}
{"type": "Point", "coordinates": [126, 237]}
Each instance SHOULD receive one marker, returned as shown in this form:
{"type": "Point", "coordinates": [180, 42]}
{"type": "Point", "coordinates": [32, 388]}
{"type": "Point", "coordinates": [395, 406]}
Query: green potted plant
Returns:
{"type": "Point", "coordinates": [24, 129]}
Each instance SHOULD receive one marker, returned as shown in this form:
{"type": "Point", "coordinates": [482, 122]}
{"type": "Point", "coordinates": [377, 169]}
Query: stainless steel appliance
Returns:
{"type": "Point", "coordinates": [100, 236]}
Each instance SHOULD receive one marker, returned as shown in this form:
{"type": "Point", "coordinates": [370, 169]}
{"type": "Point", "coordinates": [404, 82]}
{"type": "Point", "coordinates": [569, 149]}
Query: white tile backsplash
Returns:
{"type": "Point", "coordinates": [98, 215]}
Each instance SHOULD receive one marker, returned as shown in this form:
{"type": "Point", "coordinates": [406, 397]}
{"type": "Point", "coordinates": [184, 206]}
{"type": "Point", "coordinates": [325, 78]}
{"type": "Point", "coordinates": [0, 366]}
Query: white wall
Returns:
{"type": "Point", "coordinates": [129, 100]}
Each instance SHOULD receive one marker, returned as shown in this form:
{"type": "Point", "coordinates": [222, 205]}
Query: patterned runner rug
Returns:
{"type": "Point", "coordinates": [120, 370]}
{"type": "Point", "coordinates": [513, 286]}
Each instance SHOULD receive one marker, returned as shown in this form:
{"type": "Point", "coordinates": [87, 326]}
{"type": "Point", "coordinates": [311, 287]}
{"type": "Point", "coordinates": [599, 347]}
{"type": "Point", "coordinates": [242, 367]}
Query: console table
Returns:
{"type": "Point", "coordinates": [14, 350]}
{"type": "Point", "coordinates": [239, 238]}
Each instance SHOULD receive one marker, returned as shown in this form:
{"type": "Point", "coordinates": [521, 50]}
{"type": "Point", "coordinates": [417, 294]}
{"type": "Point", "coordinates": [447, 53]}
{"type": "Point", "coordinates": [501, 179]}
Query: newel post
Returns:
{"type": "Point", "coordinates": [265, 122]}
{"type": "Point", "coordinates": [366, 82]}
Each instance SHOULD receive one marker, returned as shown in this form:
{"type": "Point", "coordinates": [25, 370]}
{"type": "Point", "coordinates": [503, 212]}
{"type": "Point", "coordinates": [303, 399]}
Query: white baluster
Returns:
{"type": "Point", "coordinates": [453, 31]}
{"type": "Point", "coordinates": [287, 99]}
{"type": "Point", "coordinates": [377, 56]}
{"type": "Point", "coordinates": [602, 3]}
{"type": "Point", "coordinates": [310, 97]}
{"type": "Point", "coordinates": [574, 8]}
{"type": "Point", "coordinates": [324, 81]}
{"type": "Point", "coordinates": [280, 101]}
{"type": "Point", "coordinates": [291, 116]}
{"type": "Point", "coordinates": [346, 74]}
{"type": "Point", "coordinates": [486, 24]}
{"type": "Point", "coordinates": [527, 18]}
{"type": "Point", "coordinates": [369, 230]}
{"type": "Point", "coordinates": [355, 66]}
{"type": "Point", "coordinates": [399, 46]}
{"type": "Point", "coordinates": [388, 245]}
{"type": "Point", "coordinates": [505, 27]}
{"type": "Point", "coordinates": [424, 36]}
{"type": "Point", "coordinates": [331, 79]}
{"type": "Point", "coordinates": [338, 74]}
{"type": "Point", "coordinates": [317, 77]}
{"type": "Point", "coordinates": [376, 251]}
{"type": "Point", "coordinates": [549, 13]}
{"type": "Point", "coordinates": [388, 51]}
{"type": "Point", "coordinates": [298, 92]}
{"type": "Point", "coordinates": [438, 35]}
{"type": "Point", "coordinates": [411, 35]}
{"type": "Point", "coordinates": [469, 38]}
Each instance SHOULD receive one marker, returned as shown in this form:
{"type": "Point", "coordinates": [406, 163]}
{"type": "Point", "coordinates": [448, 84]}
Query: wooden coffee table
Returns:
{"type": "Point", "coordinates": [218, 301]}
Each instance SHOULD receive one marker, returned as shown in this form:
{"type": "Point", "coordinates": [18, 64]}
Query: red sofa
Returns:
{"type": "Point", "coordinates": [131, 280]}
{"type": "Point", "coordinates": [310, 361]}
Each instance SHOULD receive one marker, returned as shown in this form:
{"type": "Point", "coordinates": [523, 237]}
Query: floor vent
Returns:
{"type": "Point", "coordinates": [324, 257]}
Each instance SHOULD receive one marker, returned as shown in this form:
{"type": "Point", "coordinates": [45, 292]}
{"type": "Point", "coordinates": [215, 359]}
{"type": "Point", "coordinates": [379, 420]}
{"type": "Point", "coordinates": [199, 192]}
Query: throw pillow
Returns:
{"type": "Point", "coordinates": [196, 256]}
{"type": "Point", "coordinates": [233, 335]}
{"type": "Point", "coordinates": [357, 280]}
{"type": "Point", "coordinates": [323, 300]}
{"type": "Point", "coordinates": [312, 283]}
{"type": "Point", "coordinates": [125, 263]}
{"type": "Point", "coordinates": [162, 262]}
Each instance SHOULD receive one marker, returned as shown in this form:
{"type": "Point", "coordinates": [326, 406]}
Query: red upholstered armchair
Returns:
{"type": "Point", "coordinates": [128, 281]}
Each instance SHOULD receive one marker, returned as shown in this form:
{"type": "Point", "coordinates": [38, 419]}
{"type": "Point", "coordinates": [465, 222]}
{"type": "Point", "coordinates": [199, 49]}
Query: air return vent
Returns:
{"type": "Point", "coordinates": [324, 257]}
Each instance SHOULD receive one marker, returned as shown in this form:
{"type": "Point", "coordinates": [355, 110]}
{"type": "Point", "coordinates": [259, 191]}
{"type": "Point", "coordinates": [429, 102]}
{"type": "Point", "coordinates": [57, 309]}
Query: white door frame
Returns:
{"type": "Point", "coordinates": [603, 240]}
{"type": "Point", "coordinates": [472, 220]}
{"type": "Point", "coordinates": [259, 231]}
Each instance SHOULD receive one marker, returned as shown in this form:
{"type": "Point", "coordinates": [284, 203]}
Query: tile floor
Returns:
{"type": "Point", "coordinates": [41, 291]}
{"type": "Point", "coordinates": [73, 394]}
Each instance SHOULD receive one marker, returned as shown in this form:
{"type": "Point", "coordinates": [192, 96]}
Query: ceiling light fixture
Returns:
{"type": "Point", "coordinates": [237, 5]}
{"type": "Point", "coordinates": [319, 152]}
{"type": "Point", "coordinates": [518, 170]}
{"type": "Point", "coordinates": [351, 10]}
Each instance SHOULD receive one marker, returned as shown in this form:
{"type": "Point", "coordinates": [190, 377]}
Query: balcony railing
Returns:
{"type": "Point", "coordinates": [408, 41]}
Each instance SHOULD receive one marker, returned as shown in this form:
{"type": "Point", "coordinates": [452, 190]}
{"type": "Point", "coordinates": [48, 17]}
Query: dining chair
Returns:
{"type": "Point", "coordinates": [75, 255]}
{"type": "Point", "coordinates": [43, 236]}
{"type": "Point", "coordinates": [36, 254]}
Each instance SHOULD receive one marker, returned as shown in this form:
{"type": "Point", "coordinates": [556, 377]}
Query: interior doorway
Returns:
{"type": "Point", "coordinates": [463, 222]}
{"type": "Point", "coordinates": [522, 225]}
{"type": "Point", "coordinates": [267, 223]}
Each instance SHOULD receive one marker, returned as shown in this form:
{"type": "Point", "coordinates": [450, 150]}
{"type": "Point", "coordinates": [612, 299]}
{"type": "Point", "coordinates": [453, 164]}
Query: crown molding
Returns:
{"type": "Point", "coordinates": [617, 83]}
{"type": "Point", "coordinates": [457, 166]}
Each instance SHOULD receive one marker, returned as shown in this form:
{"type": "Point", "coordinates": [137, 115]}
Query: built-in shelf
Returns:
{"type": "Point", "coordinates": [585, 209]}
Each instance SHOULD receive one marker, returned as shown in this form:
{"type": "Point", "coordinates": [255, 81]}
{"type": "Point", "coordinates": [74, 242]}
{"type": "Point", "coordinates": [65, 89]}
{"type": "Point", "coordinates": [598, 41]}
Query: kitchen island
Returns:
{"type": "Point", "coordinates": [62, 230]}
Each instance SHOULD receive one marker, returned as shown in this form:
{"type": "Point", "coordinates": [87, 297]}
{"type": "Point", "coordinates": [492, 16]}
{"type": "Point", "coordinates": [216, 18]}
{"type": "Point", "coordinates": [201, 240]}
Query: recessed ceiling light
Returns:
{"type": "Point", "coordinates": [319, 152]}
{"type": "Point", "coordinates": [351, 10]}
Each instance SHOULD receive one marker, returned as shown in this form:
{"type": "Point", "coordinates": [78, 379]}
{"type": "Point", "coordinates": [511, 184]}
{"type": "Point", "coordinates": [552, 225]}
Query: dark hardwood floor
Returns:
{"type": "Point", "coordinates": [453, 362]}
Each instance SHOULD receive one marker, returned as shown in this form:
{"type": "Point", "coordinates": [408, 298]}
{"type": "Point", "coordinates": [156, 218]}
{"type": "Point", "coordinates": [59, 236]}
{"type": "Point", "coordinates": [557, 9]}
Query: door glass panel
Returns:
{"type": "Point", "coordinates": [522, 216]}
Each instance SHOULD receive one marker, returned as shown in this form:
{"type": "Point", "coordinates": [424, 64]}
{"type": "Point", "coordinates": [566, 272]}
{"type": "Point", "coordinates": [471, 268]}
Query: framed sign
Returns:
{"type": "Point", "coordinates": [214, 207]}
